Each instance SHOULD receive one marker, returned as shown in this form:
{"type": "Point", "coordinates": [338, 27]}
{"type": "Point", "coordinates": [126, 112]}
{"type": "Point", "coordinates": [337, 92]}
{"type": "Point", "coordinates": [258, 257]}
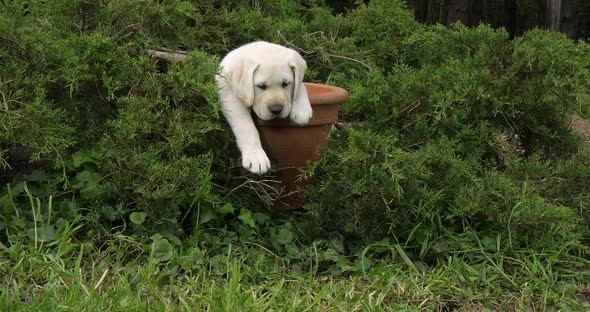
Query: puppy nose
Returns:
{"type": "Point", "coordinates": [276, 108]}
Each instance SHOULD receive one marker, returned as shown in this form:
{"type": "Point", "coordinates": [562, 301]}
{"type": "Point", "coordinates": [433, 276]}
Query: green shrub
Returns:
{"type": "Point", "coordinates": [150, 133]}
{"type": "Point", "coordinates": [438, 129]}
{"type": "Point", "coordinates": [380, 26]}
{"type": "Point", "coordinates": [369, 188]}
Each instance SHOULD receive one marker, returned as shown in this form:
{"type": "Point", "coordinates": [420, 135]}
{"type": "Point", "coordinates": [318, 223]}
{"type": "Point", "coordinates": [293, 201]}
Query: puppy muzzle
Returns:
{"type": "Point", "coordinates": [276, 109]}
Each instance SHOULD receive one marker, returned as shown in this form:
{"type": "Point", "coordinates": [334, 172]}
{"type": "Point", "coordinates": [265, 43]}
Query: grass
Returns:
{"type": "Point", "coordinates": [75, 276]}
{"type": "Point", "coordinates": [120, 273]}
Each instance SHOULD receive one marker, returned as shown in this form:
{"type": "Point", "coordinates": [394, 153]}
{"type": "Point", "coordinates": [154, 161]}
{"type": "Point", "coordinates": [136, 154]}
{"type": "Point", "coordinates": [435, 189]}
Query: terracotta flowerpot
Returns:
{"type": "Point", "coordinates": [293, 147]}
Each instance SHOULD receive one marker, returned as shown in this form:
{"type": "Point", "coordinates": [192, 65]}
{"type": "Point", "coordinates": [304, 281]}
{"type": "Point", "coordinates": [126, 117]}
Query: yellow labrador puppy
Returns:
{"type": "Point", "coordinates": [268, 79]}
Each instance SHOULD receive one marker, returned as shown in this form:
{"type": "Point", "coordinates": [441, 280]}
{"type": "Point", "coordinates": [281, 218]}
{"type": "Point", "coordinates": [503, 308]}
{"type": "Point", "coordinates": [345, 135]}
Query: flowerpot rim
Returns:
{"type": "Point", "coordinates": [322, 94]}
{"type": "Point", "coordinates": [325, 101]}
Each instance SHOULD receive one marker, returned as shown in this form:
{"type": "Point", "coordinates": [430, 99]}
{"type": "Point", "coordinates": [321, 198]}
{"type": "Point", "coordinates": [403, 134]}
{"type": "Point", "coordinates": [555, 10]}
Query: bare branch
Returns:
{"type": "Point", "coordinates": [170, 56]}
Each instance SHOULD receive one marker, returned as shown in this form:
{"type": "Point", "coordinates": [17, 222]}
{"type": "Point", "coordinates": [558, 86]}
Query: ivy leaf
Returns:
{"type": "Point", "coordinates": [43, 233]}
{"type": "Point", "coordinates": [82, 157]}
{"type": "Point", "coordinates": [113, 213]}
{"type": "Point", "coordinates": [364, 263]}
{"type": "Point", "coordinates": [206, 214]}
{"type": "Point", "coordinates": [246, 217]}
{"type": "Point", "coordinates": [284, 236]}
{"type": "Point", "coordinates": [37, 175]}
{"type": "Point", "coordinates": [293, 251]}
{"type": "Point", "coordinates": [162, 250]}
{"type": "Point", "coordinates": [331, 255]}
{"type": "Point", "coordinates": [336, 242]}
{"type": "Point", "coordinates": [441, 246]}
{"type": "Point", "coordinates": [227, 209]}
{"type": "Point", "coordinates": [245, 232]}
{"type": "Point", "coordinates": [260, 217]}
{"type": "Point", "coordinates": [86, 181]}
{"type": "Point", "coordinates": [137, 217]}
{"type": "Point", "coordinates": [6, 200]}
{"type": "Point", "coordinates": [194, 259]}
{"type": "Point", "coordinates": [489, 243]}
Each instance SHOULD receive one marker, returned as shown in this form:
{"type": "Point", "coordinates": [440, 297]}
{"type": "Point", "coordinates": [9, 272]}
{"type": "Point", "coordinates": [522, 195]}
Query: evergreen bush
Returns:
{"type": "Point", "coordinates": [440, 131]}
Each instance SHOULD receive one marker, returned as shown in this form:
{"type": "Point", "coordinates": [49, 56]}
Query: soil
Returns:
{"type": "Point", "coordinates": [582, 127]}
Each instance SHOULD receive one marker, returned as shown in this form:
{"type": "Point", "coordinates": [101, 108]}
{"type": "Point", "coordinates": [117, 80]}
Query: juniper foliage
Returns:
{"type": "Point", "coordinates": [462, 130]}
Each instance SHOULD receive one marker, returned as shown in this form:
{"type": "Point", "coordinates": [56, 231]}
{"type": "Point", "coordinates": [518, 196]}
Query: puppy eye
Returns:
{"type": "Point", "coordinates": [262, 87]}
{"type": "Point", "coordinates": [285, 84]}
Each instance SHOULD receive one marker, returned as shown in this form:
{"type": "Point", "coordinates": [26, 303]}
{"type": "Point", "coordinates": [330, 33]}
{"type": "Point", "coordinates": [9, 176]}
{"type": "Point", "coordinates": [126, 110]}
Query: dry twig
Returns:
{"type": "Point", "coordinates": [167, 55]}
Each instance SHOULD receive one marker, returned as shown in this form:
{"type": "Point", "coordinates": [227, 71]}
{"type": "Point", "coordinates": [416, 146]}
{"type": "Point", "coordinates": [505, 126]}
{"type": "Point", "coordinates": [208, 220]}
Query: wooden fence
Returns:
{"type": "Point", "coordinates": [571, 17]}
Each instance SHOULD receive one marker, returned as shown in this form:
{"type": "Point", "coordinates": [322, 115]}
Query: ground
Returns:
{"type": "Point", "coordinates": [581, 126]}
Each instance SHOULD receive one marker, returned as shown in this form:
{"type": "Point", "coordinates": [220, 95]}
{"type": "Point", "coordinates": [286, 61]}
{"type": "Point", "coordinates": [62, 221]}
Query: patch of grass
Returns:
{"type": "Point", "coordinates": [41, 280]}
{"type": "Point", "coordinates": [120, 273]}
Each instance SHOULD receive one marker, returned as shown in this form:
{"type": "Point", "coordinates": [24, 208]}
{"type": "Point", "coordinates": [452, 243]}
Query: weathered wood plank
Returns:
{"type": "Point", "coordinates": [571, 17]}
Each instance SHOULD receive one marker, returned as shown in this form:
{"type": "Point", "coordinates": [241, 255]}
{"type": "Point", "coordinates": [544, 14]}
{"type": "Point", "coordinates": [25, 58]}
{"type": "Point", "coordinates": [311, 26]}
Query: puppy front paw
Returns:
{"type": "Point", "coordinates": [256, 161]}
{"type": "Point", "coordinates": [301, 115]}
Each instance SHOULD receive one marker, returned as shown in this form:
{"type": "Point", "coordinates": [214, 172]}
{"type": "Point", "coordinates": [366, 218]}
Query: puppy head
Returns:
{"type": "Point", "coordinates": [273, 91]}
{"type": "Point", "coordinates": [269, 79]}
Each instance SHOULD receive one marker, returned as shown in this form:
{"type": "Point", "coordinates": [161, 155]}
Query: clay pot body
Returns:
{"type": "Point", "coordinates": [293, 147]}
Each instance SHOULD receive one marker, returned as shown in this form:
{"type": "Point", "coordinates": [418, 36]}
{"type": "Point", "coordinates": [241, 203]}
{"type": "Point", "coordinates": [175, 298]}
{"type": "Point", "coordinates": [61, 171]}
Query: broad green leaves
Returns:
{"type": "Point", "coordinates": [137, 217]}
{"type": "Point", "coordinates": [162, 250]}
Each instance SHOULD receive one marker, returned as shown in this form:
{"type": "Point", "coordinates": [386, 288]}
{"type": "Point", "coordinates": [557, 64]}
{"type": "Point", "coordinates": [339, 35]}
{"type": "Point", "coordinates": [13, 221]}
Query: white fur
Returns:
{"type": "Point", "coordinates": [258, 76]}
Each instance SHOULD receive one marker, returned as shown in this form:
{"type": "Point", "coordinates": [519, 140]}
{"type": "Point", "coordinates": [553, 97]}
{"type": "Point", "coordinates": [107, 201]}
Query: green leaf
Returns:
{"type": "Point", "coordinates": [137, 217]}
{"type": "Point", "coordinates": [156, 237]}
{"type": "Point", "coordinates": [112, 213]}
{"type": "Point", "coordinates": [441, 246]}
{"type": "Point", "coordinates": [331, 255]}
{"type": "Point", "coordinates": [37, 175]}
{"type": "Point", "coordinates": [489, 243]}
{"type": "Point", "coordinates": [43, 233]}
{"type": "Point", "coordinates": [246, 217]}
{"type": "Point", "coordinates": [68, 208]}
{"type": "Point", "coordinates": [162, 250]}
{"type": "Point", "coordinates": [293, 251]}
{"type": "Point", "coordinates": [284, 236]}
{"type": "Point", "coordinates": [227, 209]}
{"type": "Point", "coordinates": [6, 200]}
{"type": "Point", "coordinates": [206, 214]}
{"type": "Point", "coordinates": [86, 181]}
{"type": "Point", "coordinates": [364, 263]}
{"type": "Point", "coordinates": [337, 243]}
{"type": "Point", "coordinates": [193, 260]}
{"type": "Point", "coordinates": [82, 157]}
{"type": "Point", "coordinates": [245, 232]}
{"type": "Point", "coordinates": [261, 217]}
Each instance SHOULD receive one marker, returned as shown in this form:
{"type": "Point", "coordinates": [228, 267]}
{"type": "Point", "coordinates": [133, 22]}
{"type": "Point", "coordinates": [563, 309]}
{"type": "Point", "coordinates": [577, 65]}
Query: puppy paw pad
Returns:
{"type": "Point", "coordinates": [256, 161]}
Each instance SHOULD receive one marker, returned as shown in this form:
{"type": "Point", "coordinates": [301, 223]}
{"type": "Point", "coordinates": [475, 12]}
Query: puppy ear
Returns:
{"type": "Point", "coordinates": [239, 74]}
{"type": "Point", "coordinates": [298, 66]}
